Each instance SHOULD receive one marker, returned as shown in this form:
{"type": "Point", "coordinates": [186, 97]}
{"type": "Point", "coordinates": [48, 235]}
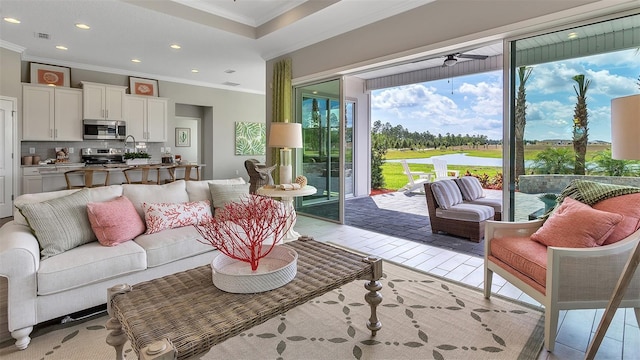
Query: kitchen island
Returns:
{"type": "Point", "coordinates": [50, 177]}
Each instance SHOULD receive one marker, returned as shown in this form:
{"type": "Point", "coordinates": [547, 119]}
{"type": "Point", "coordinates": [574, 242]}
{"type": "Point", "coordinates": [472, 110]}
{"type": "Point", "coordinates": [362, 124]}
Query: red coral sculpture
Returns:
{"type": "Point", "coordinates": [242, 227]}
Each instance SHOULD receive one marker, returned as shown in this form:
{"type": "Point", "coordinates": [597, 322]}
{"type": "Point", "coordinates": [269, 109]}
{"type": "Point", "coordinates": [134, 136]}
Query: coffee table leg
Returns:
{"type": "Point", "coordinates": [116, 338]}
{"type": "Point", "coordinates": [373, 297]}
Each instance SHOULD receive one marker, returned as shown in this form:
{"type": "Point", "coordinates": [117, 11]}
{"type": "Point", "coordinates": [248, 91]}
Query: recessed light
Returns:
{"type": "Point", "coordinates": [12, 20]}
{"type": "Point", "coordinates": [195, 70]}
{"type": "Point", "coordinates": [175, 46]}
{"type": "Point", "coordinates": [83, 26]}
{"type": "Point", "coordinates": [136, 60]}
{"type": "Point", "coordinates": [60, 47]}
{"type": "Point", "coordinates": [572, 35]}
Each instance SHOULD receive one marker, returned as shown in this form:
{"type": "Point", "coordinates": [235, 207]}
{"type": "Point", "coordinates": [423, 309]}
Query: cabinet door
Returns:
{"type": "Point", "coordinates": [114, 102]}
{"type": "Point", "coordinates": [68, 114]}
{"type": "Point", "coordinates": [37, 112]}
{"type": "Point", "coordinates": [31, 184]}
{"type": "Point", "coordinates": [156, 120]}
{"type": "Point", "coordinates": [93, 101]}
{"type": "Point", "coordinates": [136, 113]}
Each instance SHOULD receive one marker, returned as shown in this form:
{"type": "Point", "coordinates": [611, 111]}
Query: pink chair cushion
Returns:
{"type": "Point", "coordinates": [627, 206]}
{"type": "Point", "coordinates": [524, 255]}
{"type": "Point", "coordinates": [576, 225]}
{"type": "Point", "coordinates": [114, 221]}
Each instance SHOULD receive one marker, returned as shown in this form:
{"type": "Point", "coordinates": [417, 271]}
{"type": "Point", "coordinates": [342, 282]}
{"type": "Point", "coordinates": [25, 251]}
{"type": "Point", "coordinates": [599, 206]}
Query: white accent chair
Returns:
{"type": "Point", "coordinates": [413, 183]}
{"type": "Point", "coordinates": [576, 278]}
{"type": "Point", "coordinates": [441, 171]}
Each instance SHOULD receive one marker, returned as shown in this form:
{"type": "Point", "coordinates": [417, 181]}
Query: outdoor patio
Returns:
{"type": "Point", "coordinates": [405, 215]}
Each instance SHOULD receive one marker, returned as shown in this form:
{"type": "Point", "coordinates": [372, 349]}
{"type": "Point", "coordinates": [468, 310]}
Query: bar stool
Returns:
{"type": "Point", "coordinates": [144, 177]}
{"type": "Point", "coordinates": [188, 172]}
{"type": "Point", "coordinates": [87, 178]}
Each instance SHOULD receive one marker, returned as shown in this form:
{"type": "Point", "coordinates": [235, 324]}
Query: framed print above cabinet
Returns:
{"type": "Point", "coordinates": [140, 86]}
{"type": "Point", "coordinates": [44, 74]}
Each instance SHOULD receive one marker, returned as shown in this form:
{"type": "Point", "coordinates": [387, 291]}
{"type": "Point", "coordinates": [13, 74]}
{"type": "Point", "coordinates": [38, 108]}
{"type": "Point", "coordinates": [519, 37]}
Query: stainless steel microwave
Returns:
{"type": "Point", "coordinates": [104, 130]}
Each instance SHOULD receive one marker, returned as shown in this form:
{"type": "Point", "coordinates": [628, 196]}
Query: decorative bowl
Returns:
{"type": "Point", "coordinates": [274, 270]}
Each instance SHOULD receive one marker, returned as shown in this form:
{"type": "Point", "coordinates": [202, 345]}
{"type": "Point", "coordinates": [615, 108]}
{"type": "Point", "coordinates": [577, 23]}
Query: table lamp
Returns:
{"type": "Point", "coordinates": [625, 128]}
{"type": "Point", "coordinates": [286, 136]}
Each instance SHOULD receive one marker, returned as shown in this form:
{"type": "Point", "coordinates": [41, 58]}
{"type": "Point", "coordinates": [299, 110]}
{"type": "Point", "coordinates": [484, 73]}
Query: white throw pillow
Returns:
{"type": "Point", "coordinates": [161, 216]}
{"type": "Point", "coordinates": [199, 190]}
{"type": "Point", "coordinates": [174, 192]}
{"type": "Point", "coordinates": [222, 194]}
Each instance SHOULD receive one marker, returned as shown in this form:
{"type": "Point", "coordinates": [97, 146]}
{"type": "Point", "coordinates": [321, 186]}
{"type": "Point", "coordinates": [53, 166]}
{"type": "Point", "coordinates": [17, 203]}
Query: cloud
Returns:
{"type": "Point", "coordinates": [409, 96]}
{"type": "Point", "coordinates": [488, 97]}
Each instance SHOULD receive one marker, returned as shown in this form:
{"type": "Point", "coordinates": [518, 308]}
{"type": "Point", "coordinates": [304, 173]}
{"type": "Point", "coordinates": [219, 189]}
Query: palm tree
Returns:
{"type": "Point", "coordinates": [580, 122]}
{"type": "Point", "coordinates": [521, 118]}
{"type": "Point", "coordinates": [554, 161]}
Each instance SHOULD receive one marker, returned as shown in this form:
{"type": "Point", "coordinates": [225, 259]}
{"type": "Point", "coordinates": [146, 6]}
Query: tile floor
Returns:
{"type": "Point", "coordinates": [622, 340]}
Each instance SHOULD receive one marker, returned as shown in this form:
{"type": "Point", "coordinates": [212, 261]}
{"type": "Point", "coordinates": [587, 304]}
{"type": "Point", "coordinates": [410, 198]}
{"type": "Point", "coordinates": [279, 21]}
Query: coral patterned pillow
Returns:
{"type": "Point", "coordinates": [114, 221]}
{"type": "Point", "coordinates": [576, 225]}
{"type": "Point", "coordinates": [160, 216]}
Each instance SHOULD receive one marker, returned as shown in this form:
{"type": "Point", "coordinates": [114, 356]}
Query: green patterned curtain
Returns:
{"type": "Point", "coordinates": [281, 102]}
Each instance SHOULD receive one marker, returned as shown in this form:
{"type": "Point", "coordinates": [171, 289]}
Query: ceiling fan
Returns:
{"type": "Point", "coordinates": [453, 58]}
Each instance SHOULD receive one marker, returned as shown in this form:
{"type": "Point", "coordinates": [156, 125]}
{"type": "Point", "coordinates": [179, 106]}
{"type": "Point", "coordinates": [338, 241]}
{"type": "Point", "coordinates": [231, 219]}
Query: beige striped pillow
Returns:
{"type": "Point", "coordinates": [222, 194]}
{"type": "Point", "coordinates": [60, 224]}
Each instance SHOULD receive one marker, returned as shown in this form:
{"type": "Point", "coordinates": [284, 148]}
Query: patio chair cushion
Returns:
{"type": "Point", "coordinates": [467, 212]}
{"type": "Point", "coordinates": [629, 207]}
{"type": "Point", "coordinates": [524, 255]}
{"type": "Point", "coordinates": [576, 225]}
{"type": "Point", "coordinates": [470, 188]}
{"type": "Point", "coordinates": [447, 193]}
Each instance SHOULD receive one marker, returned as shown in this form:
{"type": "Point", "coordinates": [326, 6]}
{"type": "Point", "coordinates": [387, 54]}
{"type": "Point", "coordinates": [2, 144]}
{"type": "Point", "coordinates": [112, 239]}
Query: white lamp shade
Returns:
{"type": "Point", "coordinates": [285, 135]}
{"type": "Point", "coordinates": [625, 128]}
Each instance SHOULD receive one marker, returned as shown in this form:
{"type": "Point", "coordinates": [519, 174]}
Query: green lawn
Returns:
{"type": "Point", "coordinates": [395, 178]}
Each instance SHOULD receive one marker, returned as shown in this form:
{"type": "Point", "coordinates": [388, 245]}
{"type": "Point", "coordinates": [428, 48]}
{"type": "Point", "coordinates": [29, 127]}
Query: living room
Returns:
{"type": "Point", "coordinates": [230, 106]}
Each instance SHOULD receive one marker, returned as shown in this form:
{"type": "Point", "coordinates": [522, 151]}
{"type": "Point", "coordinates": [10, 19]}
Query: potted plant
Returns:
{"type": "Point", "coordinates": [137, 158]}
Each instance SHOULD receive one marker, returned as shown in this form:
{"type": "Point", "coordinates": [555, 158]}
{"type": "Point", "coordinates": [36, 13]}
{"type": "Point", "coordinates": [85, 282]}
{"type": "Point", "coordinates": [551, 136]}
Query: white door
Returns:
{"type": "Point", "coordinates": [7, 108]}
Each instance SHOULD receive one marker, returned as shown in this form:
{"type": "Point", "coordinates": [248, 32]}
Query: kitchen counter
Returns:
{"type": "Point", "coordinates": [50, 177]}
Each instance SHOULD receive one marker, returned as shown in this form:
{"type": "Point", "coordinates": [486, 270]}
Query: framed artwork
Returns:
{"type": "Point", "coordinates": [251, 138]}
{"type": "Point", "coordinates": [140, 86]}
{"type": "Point", "coordinates": [50, 75]}
{"type": "Point", "coordinates": [183, 137]}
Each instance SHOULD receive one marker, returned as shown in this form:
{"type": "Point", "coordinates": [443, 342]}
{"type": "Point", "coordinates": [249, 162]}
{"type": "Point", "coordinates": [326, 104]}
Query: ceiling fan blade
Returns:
{"type": "Point", "coordinates": [470, 56]}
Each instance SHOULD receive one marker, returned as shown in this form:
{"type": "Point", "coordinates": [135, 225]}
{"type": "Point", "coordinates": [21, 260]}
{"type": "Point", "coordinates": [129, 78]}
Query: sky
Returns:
{"type": "Point", "coordinates": [473, 104]}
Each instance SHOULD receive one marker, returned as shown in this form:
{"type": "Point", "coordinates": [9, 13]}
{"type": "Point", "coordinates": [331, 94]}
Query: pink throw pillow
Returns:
{"type": "Point", "coordinates": [114, 221]}
{"type": "Point", "coordinates": [627, 206]}
{"type": "Point", "coordinates": [576, 225]}
{"type": "Point", "coordinates": [160, 216]}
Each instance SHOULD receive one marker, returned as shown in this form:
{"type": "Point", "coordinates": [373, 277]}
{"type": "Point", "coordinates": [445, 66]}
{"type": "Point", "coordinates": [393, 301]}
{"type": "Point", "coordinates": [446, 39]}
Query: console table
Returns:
{"type": "Point", "coordinates": [183, 315]}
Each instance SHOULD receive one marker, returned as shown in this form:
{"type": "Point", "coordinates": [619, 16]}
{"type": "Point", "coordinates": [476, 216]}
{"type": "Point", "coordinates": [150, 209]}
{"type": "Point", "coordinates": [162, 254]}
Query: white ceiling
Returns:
{"type": "Point", "coordinates": [216, 36]}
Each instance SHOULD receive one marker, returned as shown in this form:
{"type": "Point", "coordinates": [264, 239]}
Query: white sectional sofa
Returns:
{"type": "Point", "coordinates": [42, 288]}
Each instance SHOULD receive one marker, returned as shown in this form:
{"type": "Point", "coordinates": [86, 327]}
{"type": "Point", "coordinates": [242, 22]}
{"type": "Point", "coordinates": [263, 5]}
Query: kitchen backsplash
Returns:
{"type": "Point", "coordinates": [46, 149]}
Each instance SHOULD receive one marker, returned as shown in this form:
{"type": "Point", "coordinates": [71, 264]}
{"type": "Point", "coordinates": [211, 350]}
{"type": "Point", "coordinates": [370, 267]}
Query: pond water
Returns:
{"type": "Point", "coordinates": [458, 159]}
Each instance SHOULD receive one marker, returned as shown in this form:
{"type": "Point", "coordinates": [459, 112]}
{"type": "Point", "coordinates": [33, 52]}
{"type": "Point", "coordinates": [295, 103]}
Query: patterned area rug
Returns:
{"type": "Point", "coordinates": [422, 316]}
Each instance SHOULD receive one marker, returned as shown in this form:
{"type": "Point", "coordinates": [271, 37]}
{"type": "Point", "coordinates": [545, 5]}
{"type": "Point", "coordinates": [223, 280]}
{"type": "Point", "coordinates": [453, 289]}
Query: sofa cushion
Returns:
{"type": "Point", "coordinates": [199, 190]}
{"type": "Point", "coordinates": [161, 216]}
{"type": "Point", "coordinates": [88, 264]}
{"type": "Point", "coordinates": [467, 212]}
{"type": "Point", "coordinates": [496, 204]}
{"type": "Point", "coordinates": [629, 207]}
{"type": "Point", "coordinates": [114, 221]}
{"type": "Point", "coordinates": [223, 194]}
{"type": "Point", "coordinates": [174, 192]}
{"type": "Point", "coordinates": [470, 188]}
{"type": "Point", "coordinates": [171, 245]}
{"type": "Point", "coordinates": [576, 225]}
{"type": "Point", "coordinates": [60, 224]}
{"type": "Point", "coordinates": [446, 193]}
{"type": "Point", "coordinates": [522, 254]}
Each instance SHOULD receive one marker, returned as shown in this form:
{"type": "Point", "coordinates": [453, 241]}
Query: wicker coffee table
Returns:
{"type": "Point", "coordinates": [183, 315]}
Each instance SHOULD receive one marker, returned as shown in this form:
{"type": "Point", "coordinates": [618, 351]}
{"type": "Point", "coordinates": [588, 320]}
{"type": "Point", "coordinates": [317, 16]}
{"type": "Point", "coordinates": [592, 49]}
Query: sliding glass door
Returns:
{"type": "Point", "coordinates": [318, 109]}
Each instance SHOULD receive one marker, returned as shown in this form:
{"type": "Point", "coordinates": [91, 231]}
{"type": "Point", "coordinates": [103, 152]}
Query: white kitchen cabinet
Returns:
{"type": "Point", "coordinates": [51, 113]}
{"type": "Point", "coordinates": [31, 180]}
{"type": "Point", "coordinates": [146, 118]}
{"type": "Point", "coordinates": [102, 101]}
